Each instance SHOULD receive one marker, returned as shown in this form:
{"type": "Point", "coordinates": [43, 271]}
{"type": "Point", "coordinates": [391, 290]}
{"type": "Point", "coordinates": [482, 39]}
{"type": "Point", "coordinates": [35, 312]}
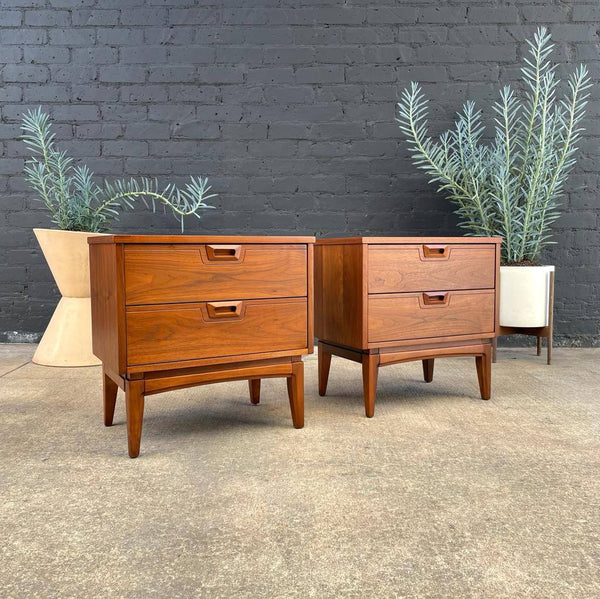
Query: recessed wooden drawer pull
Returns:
{"type": "Point", "coordinates": [224, 309]}
{"type": "Point", "coordinates": [435, 251]}
{"type": "Point", "coordinates": [223, 252]}
{"type": "Point", "coordinates": [436, 298]}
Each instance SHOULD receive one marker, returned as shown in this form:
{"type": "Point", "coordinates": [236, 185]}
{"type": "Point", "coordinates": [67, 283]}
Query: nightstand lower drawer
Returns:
{"type": "Point", "coordinates": [401, 316]}
{"type": "Point", "coordinates": [175, 332]}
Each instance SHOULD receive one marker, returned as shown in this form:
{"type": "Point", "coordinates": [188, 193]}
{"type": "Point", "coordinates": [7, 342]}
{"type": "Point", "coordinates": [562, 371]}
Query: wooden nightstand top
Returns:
{"type": "Point", "coordinates": [394, 240]}
{"type": "Point", "coordinates": [195, 239]}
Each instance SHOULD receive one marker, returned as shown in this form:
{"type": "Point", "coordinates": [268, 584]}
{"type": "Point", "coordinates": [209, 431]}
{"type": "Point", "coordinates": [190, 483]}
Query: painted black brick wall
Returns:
{"type": "Point", "coordinates": [288, 106]}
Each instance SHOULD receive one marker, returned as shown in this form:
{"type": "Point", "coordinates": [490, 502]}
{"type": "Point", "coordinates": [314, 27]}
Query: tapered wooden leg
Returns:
{"type": "Point", "coordinates": [494, 349]}
{"type": "Point", "coordinates": [109, 390]}
{"type": "Point", "coordinates": [370, 367]}
{"type": "Point", "coordinates": [428, 370]}
{"type": "Point", "coordinates": [295, 385]}
{"type": "Point", "coordinates": [549, 344]}
{"type": "Point", "coordinates": [539, 345]}
{"type": "Point", "coordinates": [254, 386]}
{"type": "Point", "coordinates": [324, 358]}
{"type": "Point", "coordinates": [134, 402]}
{"type": "Point", "coordinates": [484, 373]}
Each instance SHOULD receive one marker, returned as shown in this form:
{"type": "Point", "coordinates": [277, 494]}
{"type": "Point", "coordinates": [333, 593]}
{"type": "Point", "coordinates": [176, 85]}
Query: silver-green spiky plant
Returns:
{"type": "Point", "coordinates": [513, 187]}
{"type": "Point", "coordinates": [77, 203]}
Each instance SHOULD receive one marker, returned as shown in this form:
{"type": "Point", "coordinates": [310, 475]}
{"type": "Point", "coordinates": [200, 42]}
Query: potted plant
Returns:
{"type": "Point", "coordinates": [513, 186]}
{"type": "Point", "coordinates": [80, 207]}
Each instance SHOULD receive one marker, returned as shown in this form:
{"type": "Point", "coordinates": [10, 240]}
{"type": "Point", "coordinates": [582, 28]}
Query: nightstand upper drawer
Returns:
{"type": "Point", "coordinates": [430, 267]}
{"type": "Point", "coordinates": [430, 314]}
{"type": "Point", "coordinates": [189, 273]}
{"type": "Point", "coordinates": [166, 333]}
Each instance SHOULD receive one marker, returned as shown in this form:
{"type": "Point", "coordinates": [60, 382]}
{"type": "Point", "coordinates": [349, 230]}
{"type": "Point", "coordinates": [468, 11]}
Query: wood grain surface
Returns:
{"type": "Point", "coordinates": [157, 274]}
{"type": "Point", "coordinates": [108, 307]}
{"type": "Point", "coordinates": [396, 240]}
{"type": "Point", "coordinates": [407, 316]}
{"type": "Point", "coordinates": [195, 239]}
{"type": "Point", "coordinates": [165, 333]}
{"type": "Point", "coordinates": [340, 295]}
{"type": "Point", "coordinates": [400, 268]}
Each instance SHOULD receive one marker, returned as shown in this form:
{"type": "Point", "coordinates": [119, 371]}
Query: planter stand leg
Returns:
{"type": "Point", "coordinates": [550, 328]}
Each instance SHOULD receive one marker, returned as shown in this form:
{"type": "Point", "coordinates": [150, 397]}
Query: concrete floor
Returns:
{"type": "Point", "coordinates": [440, 495]}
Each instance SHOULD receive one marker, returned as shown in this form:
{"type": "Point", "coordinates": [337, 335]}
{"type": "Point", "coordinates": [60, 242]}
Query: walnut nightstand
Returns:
{"type": "Point", "coordinates": [384, 300]}
{"type": "Point", "coordinates": [170, 312]}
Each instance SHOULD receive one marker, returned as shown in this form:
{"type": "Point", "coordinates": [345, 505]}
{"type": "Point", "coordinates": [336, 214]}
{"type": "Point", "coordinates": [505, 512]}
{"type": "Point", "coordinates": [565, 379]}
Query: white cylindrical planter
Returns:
{"type": "Point", "coordinates": [67, 340]}
{"type": "Point", "coordinates": [525, 296]}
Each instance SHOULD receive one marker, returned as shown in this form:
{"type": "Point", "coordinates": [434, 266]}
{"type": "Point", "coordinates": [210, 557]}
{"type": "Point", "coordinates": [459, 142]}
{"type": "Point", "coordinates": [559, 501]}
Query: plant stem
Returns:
{"type": "Point", "coordinates": [142, 192]}
{"type": "Point", "coordinates": [530, 200]}
{"type": "Point", "coordinates": [563, 156]}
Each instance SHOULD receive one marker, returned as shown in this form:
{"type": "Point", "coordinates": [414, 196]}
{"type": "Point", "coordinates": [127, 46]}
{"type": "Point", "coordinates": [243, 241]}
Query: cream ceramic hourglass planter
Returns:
{"type": "Point", "coordinates": [68, 337]}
